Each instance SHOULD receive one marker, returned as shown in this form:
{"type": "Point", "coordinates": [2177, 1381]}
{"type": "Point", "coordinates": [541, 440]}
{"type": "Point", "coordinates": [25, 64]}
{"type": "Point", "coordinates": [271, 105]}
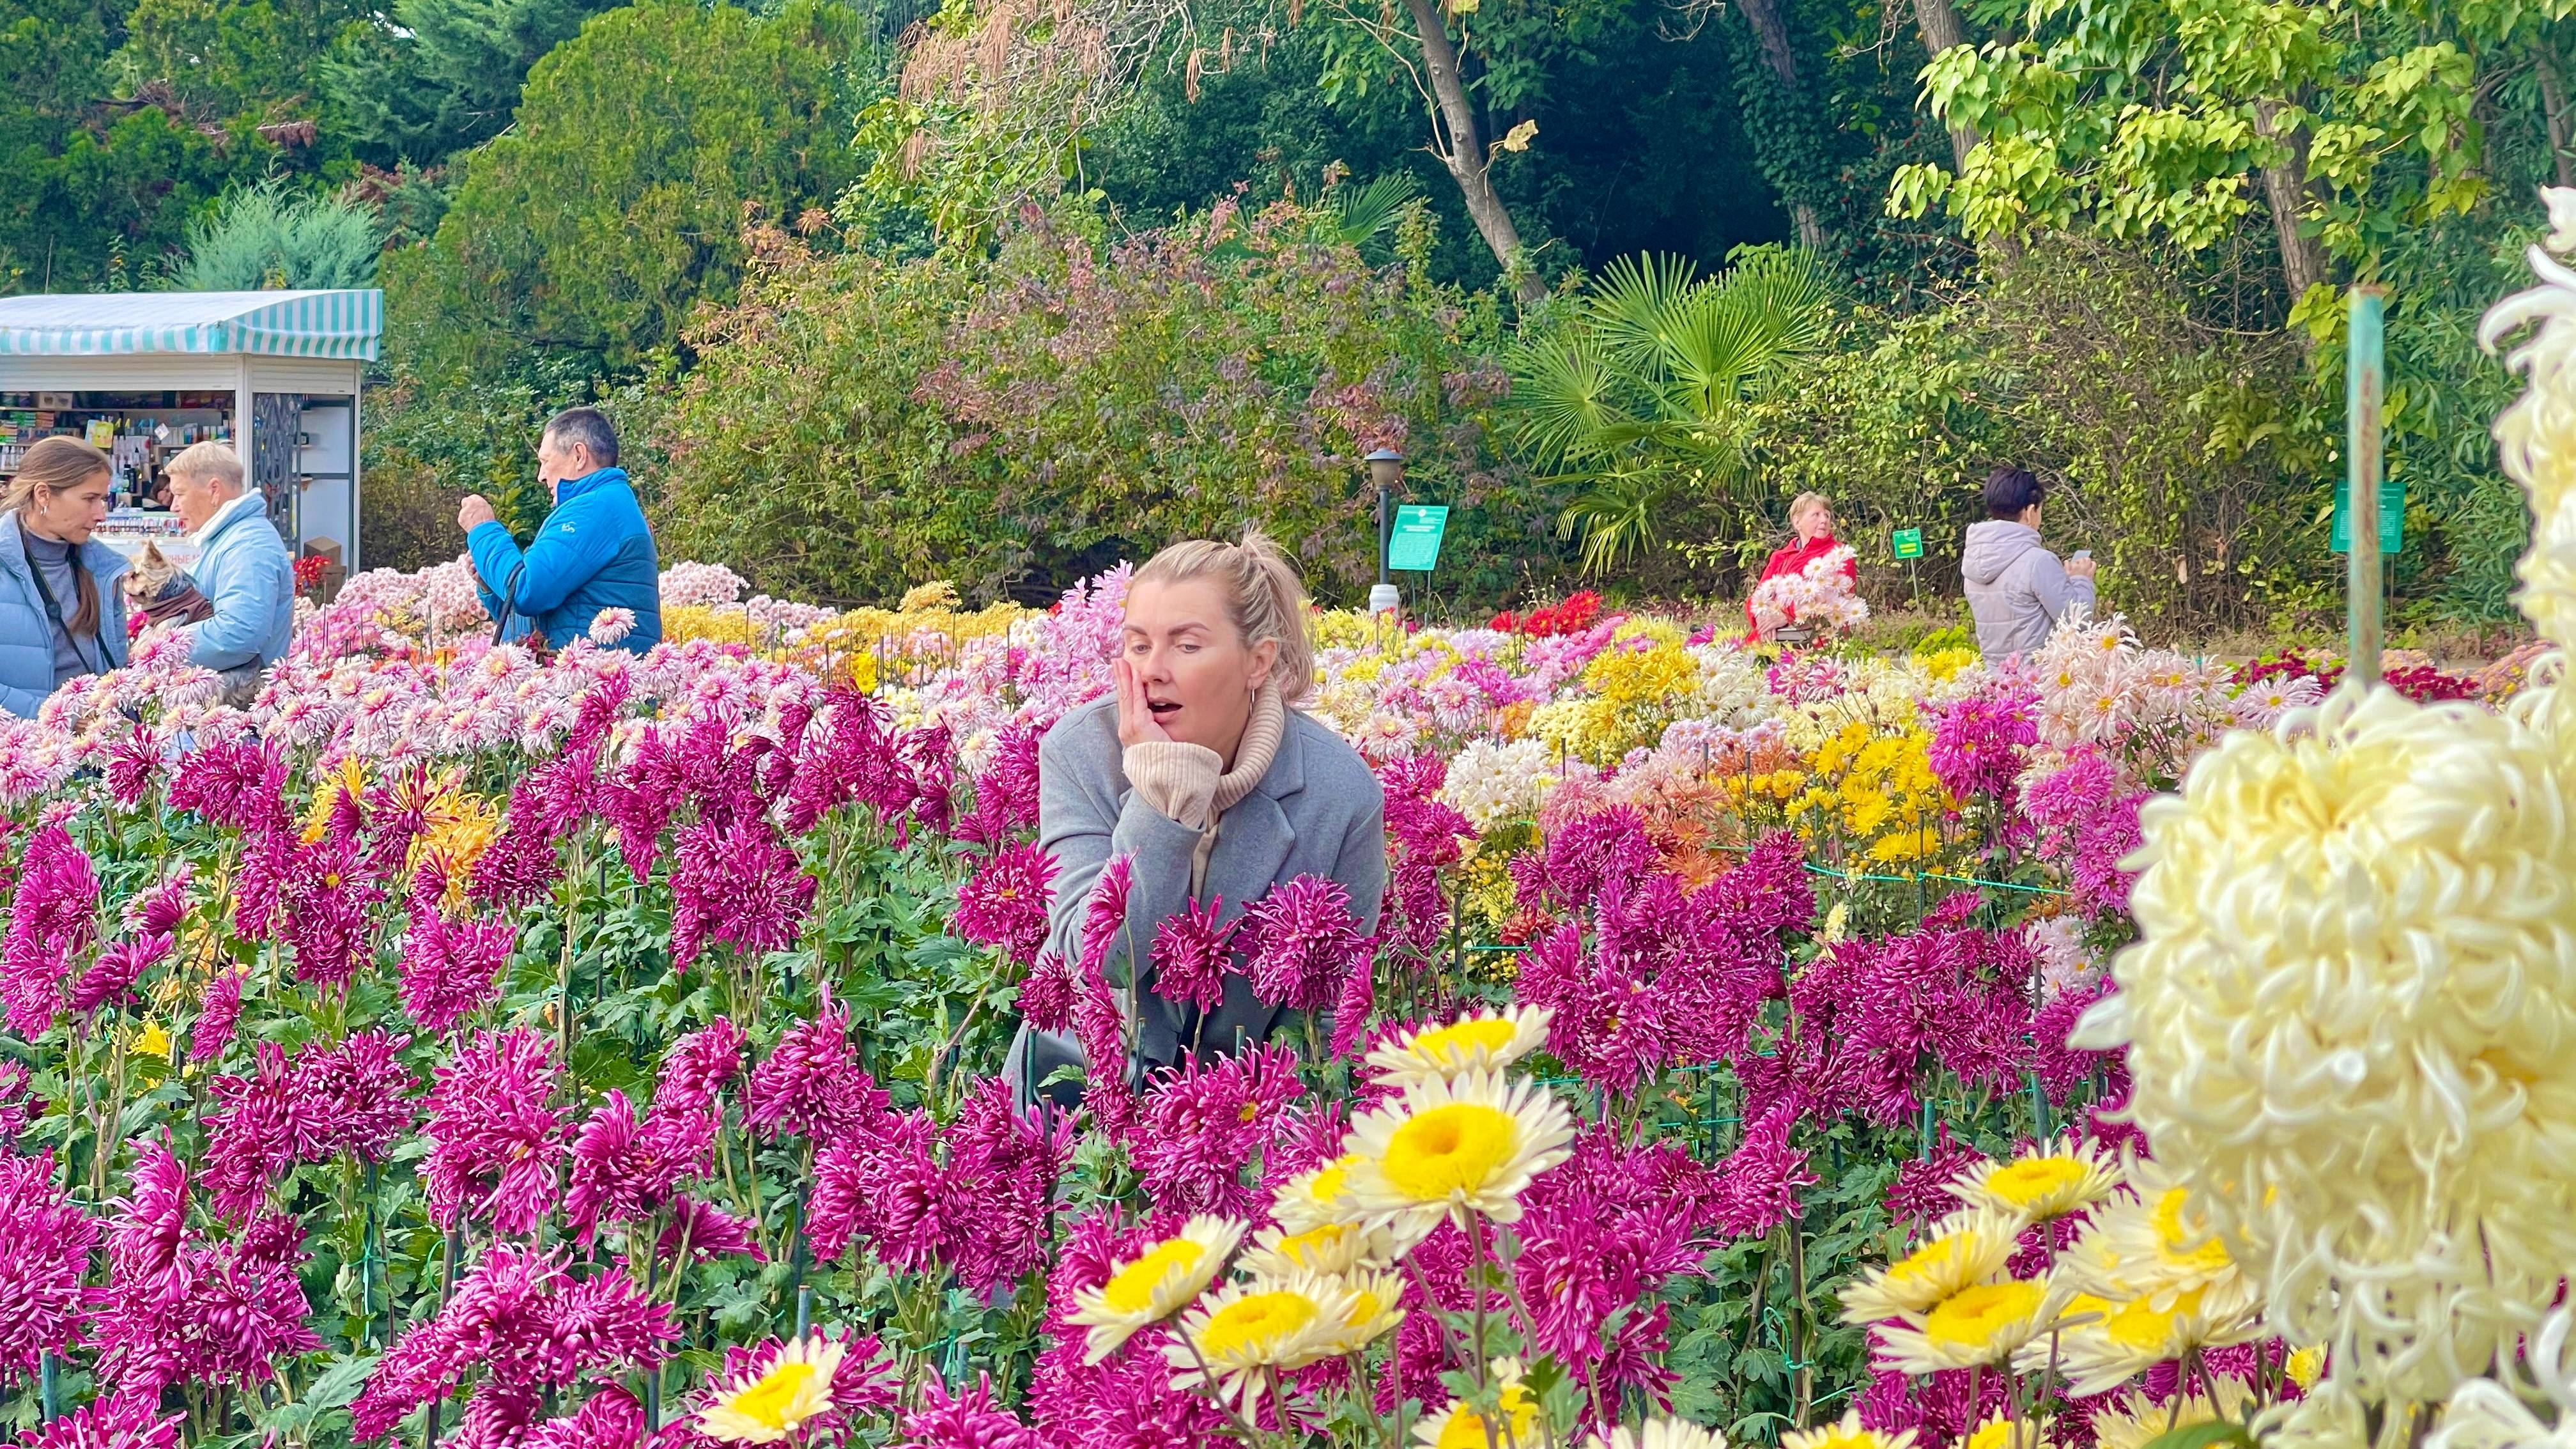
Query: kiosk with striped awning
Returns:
{"type": "Point", "coordinates": [144, 374]}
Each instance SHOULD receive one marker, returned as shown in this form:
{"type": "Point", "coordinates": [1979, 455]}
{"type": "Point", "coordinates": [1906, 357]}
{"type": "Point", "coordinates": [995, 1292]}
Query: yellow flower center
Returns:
{"type": "Point", "coordinates": [1977, 1313]}
{"type": "Point", "coordinates": [2305, 1367]}
{"type": "Point", "coordinates": [2036, 1179]}
{"type": "Point", "coordinates": [1328, 1183]}
{"type": "Point", "coordinates": [1253, 1326]}
{"type": "Point", "coordinates": [2181, 1245]}
{"type": "Point", "coordinates": [1304, 1249]}
{"type": "Point", "coordinates": [1464, 1039]}
{"type": "Point", "coordinates": [765, 1403]}
{"type": "Point", "coordinates": [1931, 1260]}
{"type": "Point", "coordinates": [1466, 1428]}
{"type": "Point", "coordinates": [1994, 1434]}
{"type": "Point", "coordinates": [1451, 1148]}
{"type": "Point", "coordinates": [1131, 1290]}
{"type": "Point", "coordinates": [2139, 1327]}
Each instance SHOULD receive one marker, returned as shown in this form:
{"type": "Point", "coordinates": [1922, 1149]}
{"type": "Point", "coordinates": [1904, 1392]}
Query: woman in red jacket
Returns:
{"type": "Point", "coordinates": [1813, 519]}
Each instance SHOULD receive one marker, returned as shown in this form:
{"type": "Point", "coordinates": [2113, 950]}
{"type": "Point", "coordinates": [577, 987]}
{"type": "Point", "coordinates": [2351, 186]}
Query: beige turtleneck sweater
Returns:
{"type": "Point", "coordinates": [1189, 783]}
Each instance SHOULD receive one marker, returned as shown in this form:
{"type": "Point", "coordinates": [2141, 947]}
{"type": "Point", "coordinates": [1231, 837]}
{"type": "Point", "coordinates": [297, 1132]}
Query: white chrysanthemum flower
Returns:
{"type": "Point", "coordinates": [1367, 1313]}
{"type": "Point", "coordinates": [2039, 1186]}
{"type": "Point", "coordinates": [1245, 1329]}
{"type": "Point", "coordinates": [2100, 1345]}
{"type": "Point", "coordinates": [1483, 1041]}
{"type": "Point", "coordinates": [1490, 782]}
{"type": "Point", "coordinates": [1962, 1249]}
{"type": "Point", "coordinates": [768, 1406]}
{"type": "Point", "coordinates": [2347, 1019]}
{"type": "Point", "coordinates": [1660, 1434]}
{"type": "Point", "coordinates": [1334, 1248]}
{"type": "Point", "coordinates": [1458, 1426]}
{"type": "Point", "coordinates": [611, 625]}
{"type": "Point", "coordinates": [1847, 1433]}
{"type": "Point", "coordinates": [2131, 1421]}
{"type": "Point", "coordinates": [1155, 1284]}
{"type": "Point", "coordinates": [1317, 1197]}
{"type": "Point", "coordinates": [1448, 1147]}
{"type": "Point", "coordinates": [1981, 1324]}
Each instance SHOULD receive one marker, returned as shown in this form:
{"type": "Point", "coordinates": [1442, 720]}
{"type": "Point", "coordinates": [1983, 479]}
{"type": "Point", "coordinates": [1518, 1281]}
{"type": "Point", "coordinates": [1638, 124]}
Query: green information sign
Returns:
{"type": "Point", "coordinates": [1416, 543]}
{"type": "Point", "coordinates": [1908, 542]}
{"type": "Point", "coordinates": [2392, 519]}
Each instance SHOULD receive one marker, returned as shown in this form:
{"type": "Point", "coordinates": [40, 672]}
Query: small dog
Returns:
{"type": "Point", "coordinates": [162, 591]}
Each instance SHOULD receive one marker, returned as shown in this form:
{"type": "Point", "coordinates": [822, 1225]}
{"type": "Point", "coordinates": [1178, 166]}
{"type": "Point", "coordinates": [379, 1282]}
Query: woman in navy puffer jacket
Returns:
{"type": "Point", "coordinates": [61, 613]}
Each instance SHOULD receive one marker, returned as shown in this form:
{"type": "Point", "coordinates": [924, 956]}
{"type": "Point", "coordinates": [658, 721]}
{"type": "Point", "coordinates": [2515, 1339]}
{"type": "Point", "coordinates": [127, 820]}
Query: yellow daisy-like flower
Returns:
{"type": "Point", "coordinates": [1332, 1250]}
{"type": "Point", "coordinates": [767, 1406]}
{"type": "Point", "coordinates": [2039, 1186]}
{"type": "Point", "coordinates": [2118, 1341]}
{"type": "Point", "coordinates": [1155, 1284]}
{"type": "Point", "coordinates": [1484, 1041]}
{"type": "Point", "coordinates": [1449, 1147]}
{"type": "Point", "coordinates": [2305, 1366]}
{"type": "Point", "coordinates": [1980, 1324]}
{"type": "Point", "coordinates": [1314, 1199]}
{"type": "Point", "coordinates": [2132, 1422]}
{"type": "Point", "coordinates": [1847, 1433]}
{"type": "Point", "coordinates": [1965, 1248]}
{"type": "Point", "coordinates": [1367, 1312]}
{"type": "Point", "coordinates": [1660, 1434]}
{"type": "Point", "coordinates": [150, 1040]}
{"type": "Point", "coordinates": [2156, 1248]}
{"type": "Point", "coordinates": [1461, 1427]}
{"type": "Point", "coordinates": [1249, 1327]}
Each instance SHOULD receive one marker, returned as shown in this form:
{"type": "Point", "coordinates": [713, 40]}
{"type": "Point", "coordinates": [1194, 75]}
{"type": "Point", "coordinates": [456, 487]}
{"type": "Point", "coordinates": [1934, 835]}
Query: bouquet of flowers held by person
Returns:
{"type": "Point", "coordinates": [1818, 597]}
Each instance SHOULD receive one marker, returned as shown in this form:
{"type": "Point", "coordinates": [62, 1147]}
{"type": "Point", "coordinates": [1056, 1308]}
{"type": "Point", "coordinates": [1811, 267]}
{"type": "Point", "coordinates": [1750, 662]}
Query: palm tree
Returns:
{"type": "Point", "coordinates": [1635, 394]}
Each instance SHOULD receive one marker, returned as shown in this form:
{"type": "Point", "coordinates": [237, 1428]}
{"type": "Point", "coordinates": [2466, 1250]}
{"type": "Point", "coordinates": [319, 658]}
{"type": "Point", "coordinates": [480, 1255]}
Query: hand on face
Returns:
{"type": "Point", "coordinates": [473, 511]}
{"type": "Point", "coordinates": [1136, 722]}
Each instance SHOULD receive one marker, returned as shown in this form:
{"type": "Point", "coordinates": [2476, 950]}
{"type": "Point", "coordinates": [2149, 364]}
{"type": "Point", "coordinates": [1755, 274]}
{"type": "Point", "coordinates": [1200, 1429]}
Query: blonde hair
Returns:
{"type": "Point", "coordinates": [1263, 596]}
{"type": "Point", "coordinates": [1805, 501]}
{"type": "Point", "coordinates": [210, 460]}
{"type": "Point", "coordinates": [57, 465]}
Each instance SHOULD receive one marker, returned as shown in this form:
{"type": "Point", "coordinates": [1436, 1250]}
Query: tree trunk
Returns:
{"type": "Point", "coordinates": [1464, 153]}
{"type": "Point", "coordinates": [2285, 189]}
{"type": "Point", "coordinates": [2553, 113]}
{"type": "Point", "coordinates": [1939, 22]}
{"type": "Point", "coordinates": [1764, 17]}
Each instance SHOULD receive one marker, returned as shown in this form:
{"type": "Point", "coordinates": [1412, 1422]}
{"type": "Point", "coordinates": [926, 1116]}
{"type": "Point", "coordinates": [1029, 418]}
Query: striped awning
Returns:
{"type": "Point", "coordinates": [344, 323]}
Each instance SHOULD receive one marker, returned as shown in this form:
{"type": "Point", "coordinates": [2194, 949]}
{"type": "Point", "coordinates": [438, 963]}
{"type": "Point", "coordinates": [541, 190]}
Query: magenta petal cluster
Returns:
{"type": "Point", "coordinates": [1304, 942]}
{"type": "Point", "coordinates": [45, 1243]}
{"type": "Point", "coordinates": [52, 919]}
{"type": "Point", "coordinates": [494, 1138]}
{"type": "Point", "coordinates": [1004, 903]}
{"type": "Point", "coordinates": [811, 1084]}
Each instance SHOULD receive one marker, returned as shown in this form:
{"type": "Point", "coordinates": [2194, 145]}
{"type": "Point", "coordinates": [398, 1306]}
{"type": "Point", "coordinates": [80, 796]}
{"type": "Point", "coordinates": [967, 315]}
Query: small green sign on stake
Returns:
{"type": "Point", "coordinates": [1907, 542]}
{"type": "Point", "coordinates": [2392, 519]}
{"type": "Point", "coordinates": [1416, 541]}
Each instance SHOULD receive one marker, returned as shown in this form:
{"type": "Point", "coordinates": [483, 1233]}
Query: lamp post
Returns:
{"type": "Point", "coordinates": [1386, 470]}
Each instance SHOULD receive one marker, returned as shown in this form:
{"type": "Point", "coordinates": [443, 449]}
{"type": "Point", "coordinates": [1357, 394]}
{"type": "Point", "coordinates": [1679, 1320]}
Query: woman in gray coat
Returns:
{"type": "Point", "coordinates": [1198, 768]}
{"type": "Point", "coordinates": [61, 613]}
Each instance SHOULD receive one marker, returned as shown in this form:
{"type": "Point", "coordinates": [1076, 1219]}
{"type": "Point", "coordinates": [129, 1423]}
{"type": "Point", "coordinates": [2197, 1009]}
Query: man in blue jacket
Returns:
{"type": "Point", "coordinates": [593, 553]}
{"type": "Point", "coordinates": [242, 568]}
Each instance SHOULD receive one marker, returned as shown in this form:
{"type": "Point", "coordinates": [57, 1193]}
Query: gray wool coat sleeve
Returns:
{"type": "Point", "coordinates": [1318, 811]}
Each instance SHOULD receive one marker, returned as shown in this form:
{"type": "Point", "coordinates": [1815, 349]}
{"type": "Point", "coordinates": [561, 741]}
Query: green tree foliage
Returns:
{"type": "Point", "coordinates": [858, 424]}
{"type": "Point", "coordinates": [270, 235]}
{"type": "Point", "coordinates": [425, 78]}
{"type": "Point", "coordinates": [618, 199]}
{"type": "Point", "coordinates": [216, 59]}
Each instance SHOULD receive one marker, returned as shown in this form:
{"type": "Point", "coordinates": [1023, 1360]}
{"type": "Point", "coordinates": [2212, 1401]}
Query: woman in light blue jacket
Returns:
{"type": "Point", "coordinates": [61, 613]}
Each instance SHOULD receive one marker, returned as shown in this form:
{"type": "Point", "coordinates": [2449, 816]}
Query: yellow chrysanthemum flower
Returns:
{"type": "Point", "coordinates": [768, 1406]}
{"type": "Point", "coordinates": [1155, 1284]}
{"type": "Point", "coordinates": [1481, 1041]}
{"type": "Point", "coordinates": [1311, 1200]}
{"type": "Point", "coordinates": [2132, 1422]}
{"type": "Point", "coordinates": [1980, 1324]}
{"type": "Point", "coordinates": [1367, 1312]}
{"type": "Point", "coordinates": [2156, 1248]}
{"type": "Point", "coordinates": [1963, 1249]}
{"type": "Point", "coordinates": [1660, 1434]}
{"type": "Point", "coordinates": [2115, 1342]}
{"type": "Point", "coordinates": [149, 1040]}
{"type": "Point", "coordinates": [1246, 1328]}
{"type": "Point", "coordinates": [1331, 1250]}
{"type": "Point", "coordinates": [1449, 1147]}
{"type": "Point", "coordinates": [1847, 1433]}
{"type": "Point", "coordinates": [1461, 1427]}
{"type": "Point", "coordinates": [2039, 1186]}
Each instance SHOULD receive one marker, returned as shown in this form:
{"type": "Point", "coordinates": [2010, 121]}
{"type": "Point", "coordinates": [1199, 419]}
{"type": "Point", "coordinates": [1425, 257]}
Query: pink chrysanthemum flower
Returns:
{"type": "Point", "coordinates": [45, 1243]}
{"type": "Point", "coordinates": [1303, 943]}
{"type": "Point", "coordinates": [216, 1013]}
{"type": "Point", "coordinates": [1004, 904]}
{"type": "Point", "coordinates": [811, 1084]}
{"type": "Point", "coordinates": [50, 921]}
{"type": "Point", "coordinates": [110, 1421]}
{"type": "Point", "coordinates": [1192, 954]}
{"type": "Point", "coordinates": [1104, 915]}
{"type": "Point", "coordinates": [609, 1419]}
{"type": "Point", "coordinates": [1202, 1123]}
{"type": "Point", "coordinates": [704, 1231]}
{"type": "Point", "coordinates": [610, 626]}
{"type": "Point", "coordinates": [494, 1140]}
{"type": "Point", "coordinates": [451, 969]}
{"type": "Point", "coordinates": [965, 1421]}
{"type": "Point", "coordinates": [697, 1066]}
{"type": "Point", "coordinates": [1046, 998]}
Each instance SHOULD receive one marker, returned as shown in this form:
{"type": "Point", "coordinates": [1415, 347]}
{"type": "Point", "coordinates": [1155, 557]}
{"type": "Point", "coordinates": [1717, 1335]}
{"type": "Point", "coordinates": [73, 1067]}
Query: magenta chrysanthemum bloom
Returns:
{"type": "Point", "coordinates": [624, 1168]}
{"type": "Point", "coordinates": [234, 784]}
{"type": "Point", "coordinates": [1202, 1123]}
{"type": "Point", "coordinates": [45, 1244]}
{"type": "Point", "coordinates": [864, 1386]}
{"type": "Point", "coordinates": [882, 1188]}
{"type": "Point", "coordinates": [1427, 836]}
{"type": "Point", "coordinates": [697, 1066]}
{"type": "Point", "coordinates": [176, 1310]}
{"type": "Point", "coordinates": [1357, 1004]}
{"type": "Point", "coordinates": [966, 1421]}
{"type": "Point", "coordinates": [705, 1231]}
{"type": "Point", "coordinates": [1941, 1408]}
{"type": "Point", "coordinates": [451, 969]}
{"type": "Point", "coordinates": [1601, 1233]}
{"type": "Point", "coordinates": [1006, 792]}
{"type": "Point", "coordinates": [110, 1421]}
{"type": "Point", "coordinates": [639, 802]}
{"type": "Point", "coordinates": [1046, 998]}
{"type": "Point", "coordinates": [741, 885]}
{"type": "Point", "coordinates": [494, 1140]}
{"type": "Point", "coordinates": [1128, 1400]}
{"type": "Point", "coordinates": [1100, 1028]}
{"type": "Point", "coordinates": [1581, 854]}
{"type": "Point", "coordinates": [1304, 942]}
{"type": "Point", "coordinates": [1104, 915]}
{"type": "Point", "coordinates": [257, 1127]}
{"type": "Point", "coordinates": [1979, 744]}
{"type": "Point", "coordinates": [811, 1084]}
{"type": "Point", "coordinates": [18, 1104]}
{"type": "Point", "coordinates": [2089, 822]}
{"type": "Point", "coordinates": [1192, 954]}
{"type": "Point", "coordinates": [1762, 1176]}
{"type": "Point", "coordinates": [1007, 1162]}
{"type": "Point", "coordinates": [158, 911]}
{"type": "Point", "coordinates": [1922, 1187]}
{"type": "Point", "coordinates": [110, 979]}
{"type": "Point", "coordinates": [51, 920]}
{"type": "Point", "coordinates": [323, 900]}
{"type": "Point", "coordinates": [216, 1013]}
{"type": "Point", "coordinates": [522, 1319]}
{"type": "Point", "coordinates": [609, 1419]}
{"type": "Point", "coordinates": [1004, 904]}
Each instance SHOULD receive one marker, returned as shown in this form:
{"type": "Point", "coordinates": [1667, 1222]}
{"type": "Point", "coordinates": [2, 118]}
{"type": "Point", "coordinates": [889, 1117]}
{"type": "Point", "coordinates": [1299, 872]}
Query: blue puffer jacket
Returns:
{"type": "Point", "coordinates": [27, 636]}
{"type": "Point", "coordinates": [593, 552]}
{"type": "Point", "coordinates": [244, 571]}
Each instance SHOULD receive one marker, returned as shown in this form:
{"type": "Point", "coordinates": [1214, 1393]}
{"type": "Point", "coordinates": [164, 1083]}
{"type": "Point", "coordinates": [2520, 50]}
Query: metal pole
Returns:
{"type": "Point", "coordinates": [2365, 383]}
{"type": "Point", "coordinates": [1385, 520]}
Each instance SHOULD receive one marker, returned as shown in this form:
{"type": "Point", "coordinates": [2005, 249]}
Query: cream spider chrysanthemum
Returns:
{"type": "Point", "coordinates": [1316, 1198]}
{"type": "Point", "coordinates": [2039, 1186]}
{"type": "Point", "coordinates": [1155, 1284]}
{"type": "Point", "coordinates": [1367, 1312]}
{"type": "Point", "coordinates": [1448, 1147]}
{"type": "Point", "coordinates": [1963, 1249]}
{"type": "Point", "coordinates": [1334, 1248]}
{"type": "Point", "coordinates": [1246, 1328]}
{"type": "Point", "coordinates": [1460, 1427]}
{"type": "Point", "coordinates": [1660, 1434]}
{"type": "Point", "coordinates": [1847, 1433]}
{"type": "Point", "coordinates": [1980, 1324]}
{"type": "Point", "coordinates": [768, 1406]}
{"type": "Point", "coordinates": [2486, 1414]}
{"type": "Point", "coordinates": [1484, 1041]}
{"type": "Point", "coordinates": [2131, 1421]}
{"type": "Point", "coordinates": [2157, 1247]}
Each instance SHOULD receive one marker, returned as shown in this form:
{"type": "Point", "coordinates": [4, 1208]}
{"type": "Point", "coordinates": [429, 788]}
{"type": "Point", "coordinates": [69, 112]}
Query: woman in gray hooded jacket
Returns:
{"type": "Point", "coordinates": [2017, 589]}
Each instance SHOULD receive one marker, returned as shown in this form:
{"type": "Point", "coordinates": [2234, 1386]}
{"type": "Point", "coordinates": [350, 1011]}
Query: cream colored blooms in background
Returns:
{"type": "Point", "coordinates": [2351, 1015]}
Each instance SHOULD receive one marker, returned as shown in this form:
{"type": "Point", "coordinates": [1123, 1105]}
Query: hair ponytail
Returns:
{"type": "Point", "coordinates": [1263, 594]}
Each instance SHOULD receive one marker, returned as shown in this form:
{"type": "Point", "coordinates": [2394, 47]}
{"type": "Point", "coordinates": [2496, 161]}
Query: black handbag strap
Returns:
{"type": "Point", "coordinates": [501, 624]}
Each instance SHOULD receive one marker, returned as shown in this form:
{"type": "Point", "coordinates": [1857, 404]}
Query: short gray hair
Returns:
{"type": "Point", "coordinates": [588, 428]}
{"type": "Point", "coordinates": [215, 462]}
